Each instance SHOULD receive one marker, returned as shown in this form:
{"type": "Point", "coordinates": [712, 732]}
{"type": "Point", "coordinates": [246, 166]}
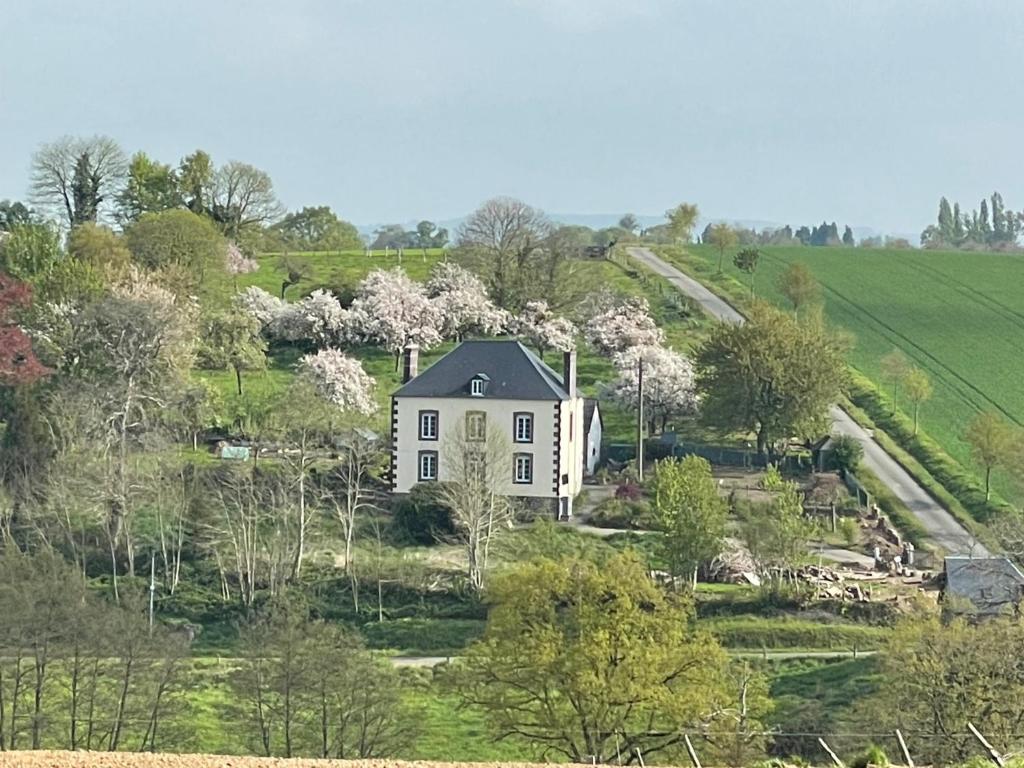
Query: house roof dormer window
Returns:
{"type": "Point", "coordinates": [478, 385]}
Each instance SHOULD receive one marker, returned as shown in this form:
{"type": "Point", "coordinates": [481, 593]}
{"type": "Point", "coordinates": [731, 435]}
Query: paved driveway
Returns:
{"type": "Point", "coordinates": [943, 529]}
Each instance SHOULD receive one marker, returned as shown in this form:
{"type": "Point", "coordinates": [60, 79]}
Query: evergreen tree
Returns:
{"type": "Point", "coordinates": [984, 227]}
{"type": "Point", "coordinates": [959, 232]}
{"type": "Point", "coordinates": [945, 220]}
{"type": "Point", "coordinates": [848, 239]}
{"type": "Point", "coordinates": [998, 218]}
{"type": "Point", "coordinates": [85, 190]}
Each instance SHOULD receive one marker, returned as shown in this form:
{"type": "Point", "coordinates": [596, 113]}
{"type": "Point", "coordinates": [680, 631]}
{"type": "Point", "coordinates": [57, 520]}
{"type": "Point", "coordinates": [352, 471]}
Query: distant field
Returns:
{"type": "Point", "coordinates": [959, 316]}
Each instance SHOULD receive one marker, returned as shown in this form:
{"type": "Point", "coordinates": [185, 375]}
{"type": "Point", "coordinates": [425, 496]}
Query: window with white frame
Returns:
{"type": "Point", "coordinates": [428, 425]}
{"type": "Point", "coordinates": [428, 465]}
{"type": "Point", "coordinates": [523, 468]}
{"type": "Point", "coordinates": [476, 426]}
{"type": "Point", "coordinates": [476, 387]}
{"type": "Point", "coordinates": [522, 431]}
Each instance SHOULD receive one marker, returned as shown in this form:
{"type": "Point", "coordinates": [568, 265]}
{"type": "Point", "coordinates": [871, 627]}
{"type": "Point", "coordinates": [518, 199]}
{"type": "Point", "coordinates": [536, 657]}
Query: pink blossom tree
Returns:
{"type": "Point", "coordinates": [545, 330]}
{"type": "Point", "coordinates": [391, 311]}
{"type": "Point", "coordinates": [461, 300]}
{"type": "Point", "coordinates": [669, 389]}
{"type": "Point", "coordinates": [622, 323]}
{"type": "Point", "coordinates": [237, 263]}
{"type": "Point", "coordinates": [340, 380]}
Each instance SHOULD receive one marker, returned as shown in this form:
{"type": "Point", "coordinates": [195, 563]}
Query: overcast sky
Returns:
{"type": "Point", "coordinates": [391, 110]}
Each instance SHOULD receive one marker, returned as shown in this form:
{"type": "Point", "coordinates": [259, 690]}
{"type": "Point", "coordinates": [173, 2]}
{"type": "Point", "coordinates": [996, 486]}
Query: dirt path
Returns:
{"type": "Point", "coordinates": [943, 529]}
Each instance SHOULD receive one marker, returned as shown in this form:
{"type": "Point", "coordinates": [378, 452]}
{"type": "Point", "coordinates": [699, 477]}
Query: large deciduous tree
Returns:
{"type": "Point", "coordinates": [895, 367]}
{"type": "Point", "coordinates": [73, 177]}
{"type": "Point", "coordinates": [150, 187]}
{"type": "Point", "coordinates": [340, 380]}
{"type": "Point", "coordinates": [545, 330]}
{"type": "Point", "coordinates": [668, 384]}
{"type": "Point", "coordinates": [506, 238]}
{"type": "Point", "coordinates": [691, 513]}
{"type": "Point", "coordinates": [746, 261]}
{"type": "Point", "coordinates": [774, 375]}
{"type": "Point", "coordinates": [621, 323]}
{"type": "Point", "coordinates": [243, 197]}
{"type": "Point", "coordinates": [391, 311]}
{"type": "Point", "coordinates": [181, 239]}
{"type": "Point", "coordinates": [681, 221]}
{"type": "Point", "coordinates": [462, 301]}
{"type": "Point", "coordinates": [318, 229]}
{"type": "Point", "coordinates": [232, 340]}
{"type": "Point", "coordinates": [592, 662]}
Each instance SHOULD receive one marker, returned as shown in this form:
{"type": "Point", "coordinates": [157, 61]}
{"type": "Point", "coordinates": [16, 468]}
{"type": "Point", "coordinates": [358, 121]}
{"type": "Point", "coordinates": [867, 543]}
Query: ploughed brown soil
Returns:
{"type": "Point", "coordinates": [45, 759]}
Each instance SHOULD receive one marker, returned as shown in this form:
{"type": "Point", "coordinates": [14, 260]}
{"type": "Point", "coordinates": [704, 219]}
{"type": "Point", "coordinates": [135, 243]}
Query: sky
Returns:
{"type": "Point", "coordinates": [860, 111]}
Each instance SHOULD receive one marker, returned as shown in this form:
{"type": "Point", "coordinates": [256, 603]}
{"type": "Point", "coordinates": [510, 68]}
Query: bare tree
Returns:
{"type": "Point", "coordinates": [72, 177]}
{"type": "Point", "coordinates": [349, 492]}
{"type": "Point", "coordinates": [244, 196]}
{"type": "Point", "coordinates": [506, 238]}
{"type": "Point", "coordinates": [476, 476]}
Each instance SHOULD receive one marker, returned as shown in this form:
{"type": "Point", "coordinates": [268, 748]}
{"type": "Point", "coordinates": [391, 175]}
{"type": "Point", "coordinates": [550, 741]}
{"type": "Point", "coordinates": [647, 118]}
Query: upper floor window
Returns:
{"type": "Point", "coordinates": [476, 426]}
{"type": "Point", "coordinates": [428, 425]}
{"type": "Point", "coordinates": [522, 431]}
{"type": "Point", "coordinates": [476, 387]}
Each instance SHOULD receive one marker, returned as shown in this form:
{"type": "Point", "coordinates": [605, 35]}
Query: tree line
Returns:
{"type": "Point", "coordinates": [990, 226]}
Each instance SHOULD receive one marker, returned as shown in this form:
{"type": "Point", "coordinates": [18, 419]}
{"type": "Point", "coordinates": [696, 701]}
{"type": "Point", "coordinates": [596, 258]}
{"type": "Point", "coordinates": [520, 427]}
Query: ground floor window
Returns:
{"type": "Point", "coordinates": [523, 468]}
{"type": "Point", "coordinates": [428, 465]}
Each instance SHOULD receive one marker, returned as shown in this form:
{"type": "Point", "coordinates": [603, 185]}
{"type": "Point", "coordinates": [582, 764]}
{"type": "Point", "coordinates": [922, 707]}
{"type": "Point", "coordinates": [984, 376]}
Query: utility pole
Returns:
{"type": "Point", "coordinates": [640, 418]}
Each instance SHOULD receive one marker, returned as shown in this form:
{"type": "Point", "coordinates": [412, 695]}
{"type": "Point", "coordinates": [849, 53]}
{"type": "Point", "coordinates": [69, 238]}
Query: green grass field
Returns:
{"type": "Point", "coordinates": [957, 315]}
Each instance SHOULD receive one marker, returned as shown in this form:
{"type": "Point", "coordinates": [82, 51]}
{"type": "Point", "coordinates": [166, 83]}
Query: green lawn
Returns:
{"type": "Point", "coordinates": [959, 316]}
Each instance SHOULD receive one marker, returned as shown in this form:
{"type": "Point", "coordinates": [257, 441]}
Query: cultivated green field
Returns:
{"type": "Point", "coordinates": [957, 315]}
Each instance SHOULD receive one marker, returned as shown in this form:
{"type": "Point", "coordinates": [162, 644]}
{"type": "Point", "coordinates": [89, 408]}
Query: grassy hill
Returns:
{"type": "Point", "coordinates": [957, 315]}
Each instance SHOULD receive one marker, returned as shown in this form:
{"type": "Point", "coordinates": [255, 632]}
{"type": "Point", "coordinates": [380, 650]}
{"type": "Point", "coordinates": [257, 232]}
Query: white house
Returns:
{"type": "Point", "coordinates": [592, 428]}
{"type": "Point", "coordinates": [486, 385]}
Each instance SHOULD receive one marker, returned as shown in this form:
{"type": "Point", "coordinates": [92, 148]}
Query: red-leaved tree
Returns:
{"type": "Point", "coordinates": [18, 363]}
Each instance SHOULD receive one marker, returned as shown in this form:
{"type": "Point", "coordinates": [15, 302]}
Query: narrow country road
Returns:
{"type": "Point", "coordinates": [427, 662]}
{"type": "Point", "coordinates": [943, 529]}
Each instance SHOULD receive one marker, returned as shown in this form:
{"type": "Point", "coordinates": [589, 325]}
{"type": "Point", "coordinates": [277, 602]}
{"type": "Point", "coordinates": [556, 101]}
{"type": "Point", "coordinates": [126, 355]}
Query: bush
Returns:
{"type": "Point", "coordinates": [772, 480]}
{"type": "Point", "coordinates": [849, 530]}
{"type": "Point", "coordinates": [628, 491]}
{"type": "Point", "coordinates": [424, 637]}
{"type": "Point", "coordinates": [873, 755]}
{"type": "Point", "coordinates": [623, 513]}
{"type": "Point", "coordinates": [847, 453]}
{"type": "Point", "coordinates": [422, 518]}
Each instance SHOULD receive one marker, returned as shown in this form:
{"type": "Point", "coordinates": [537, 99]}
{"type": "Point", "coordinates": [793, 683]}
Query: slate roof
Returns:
{"type": "Point", "coordinates": [990, 583]}
{"type": "Point", "coordinates": [512, 371]}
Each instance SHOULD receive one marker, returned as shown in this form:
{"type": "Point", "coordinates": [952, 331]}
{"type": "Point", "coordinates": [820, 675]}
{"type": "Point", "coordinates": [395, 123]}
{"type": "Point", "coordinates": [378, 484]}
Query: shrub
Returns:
{"type": "Point", "coordinates": [422, 518]}
{"type": "Point", "coordinates": [423, 636]}
{"type": "Point", "coordinates": [772, 480]}
{"type": "Point", "coordinates": [623, 513]}
{"type": "Point", "coordinates": [628, 491]}
{"type": "Point", "coordinates": [849, 530]}
{"type": "Point", "coordinates": [847, 453]}
{"type": "Point", "coordinates": [873, 755]}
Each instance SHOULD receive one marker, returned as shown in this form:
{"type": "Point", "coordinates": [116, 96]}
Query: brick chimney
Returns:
{"type": "Point", "coordinates": [569, 372]}
{"type": "Point", "coordinates": [410, 362]}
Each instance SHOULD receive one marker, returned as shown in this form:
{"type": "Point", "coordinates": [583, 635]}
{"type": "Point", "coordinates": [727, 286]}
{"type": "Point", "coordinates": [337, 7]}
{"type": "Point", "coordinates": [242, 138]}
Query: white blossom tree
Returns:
{"type": "Point", "coordinates": [322, 319]}
{"type": "Point", "coordinates": [392, 311]}
{"type": "Point", "coordinates": [462, 302]}
{"type": "Point", "coordinates": [545, 330]}
{"type": "Point", "coordinates": [622, 323]}
{"type": "Point", "coordinates": [237, 263]}
{"type": "Point", "coordinates": [265, 307]}
{"type": "Point", "coordinates": [669, 390]}
{"type": "Point", "coordinates": [340, 380]}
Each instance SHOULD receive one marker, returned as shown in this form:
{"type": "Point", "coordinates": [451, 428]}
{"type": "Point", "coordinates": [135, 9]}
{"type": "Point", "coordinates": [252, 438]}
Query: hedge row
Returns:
{"type": "Point", "coordinates": [757, 632]}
